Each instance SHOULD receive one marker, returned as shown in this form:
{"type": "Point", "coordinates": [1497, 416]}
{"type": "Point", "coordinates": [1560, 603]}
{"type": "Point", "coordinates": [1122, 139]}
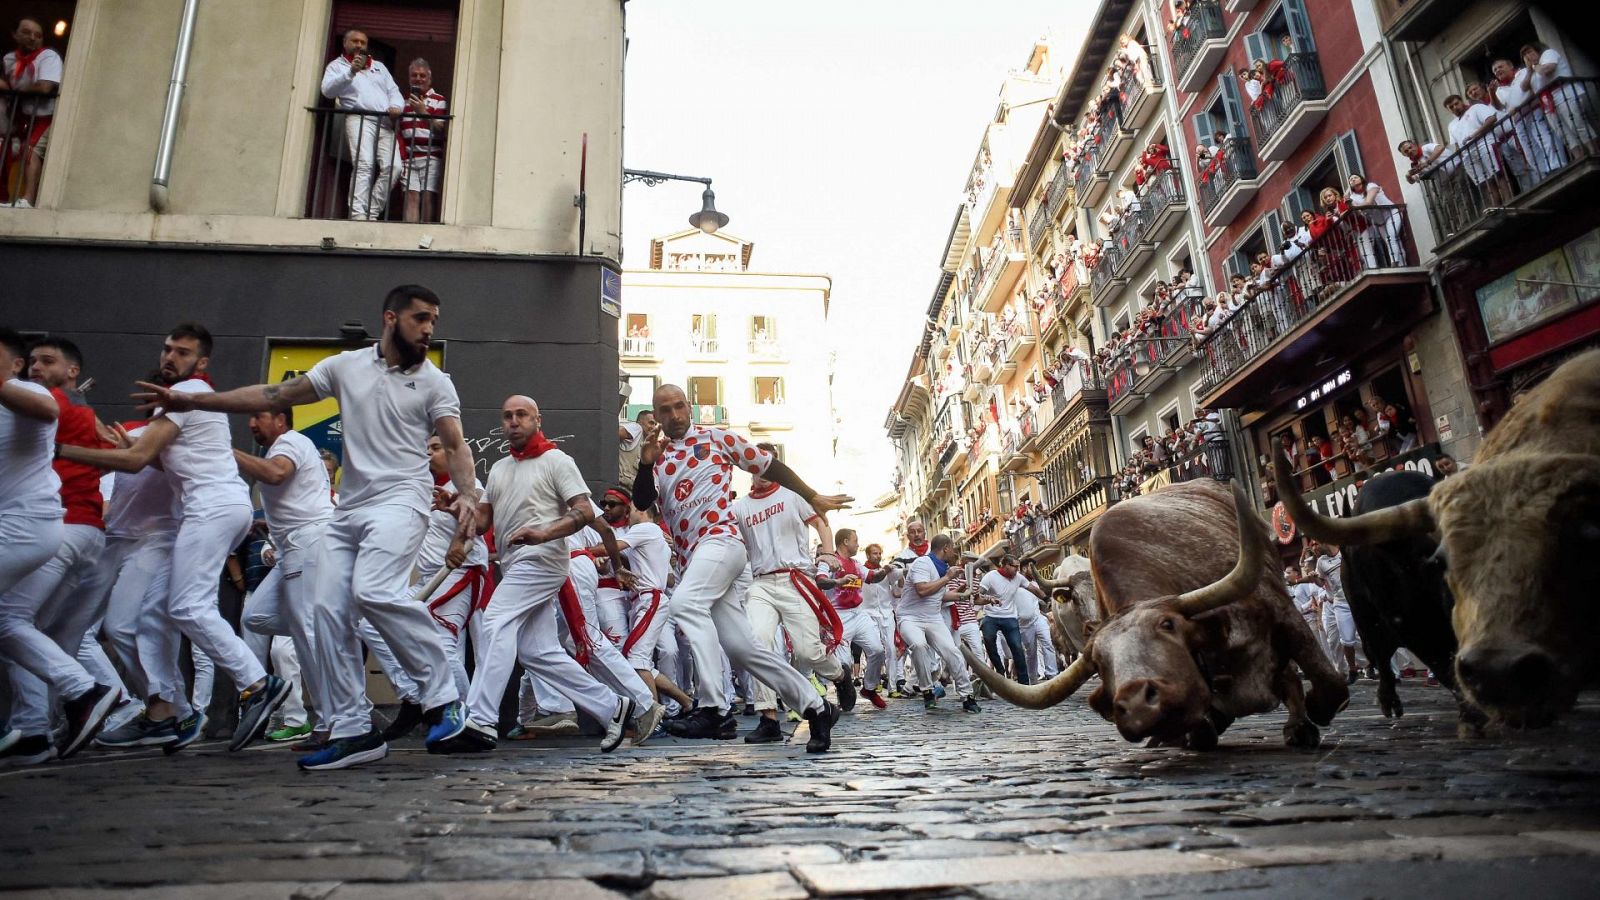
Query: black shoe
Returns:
{"type": "Point", "coordinates": [1354, 676]}
{"type": "Point", "coordinates": [822, 721]}
{"type": "Point", "coordinates": [767, 732]}
{"type": "Point", "coordinates": [705, 724]}
{"type": "Point", "coordinates": [1372, 673]}
{"type": "Point", "coordinates": [28, 750]}
{"type": "Point", "coordinates": [474, 738]}
{"type": "Point", "coordinates": [749, 709]}
{"type": "Point", "coordinates": [971, 705]}
{"type": "Point", "coordinates": [85, 715]}
{"type": "Point", "coordinates": [255, 708]}
{"type": "Point", "coordinates": [405, 721]}
{"type": "Point", "coordinates": [846, 690]}
{"type": "Point", "coordinates": [929, 701]}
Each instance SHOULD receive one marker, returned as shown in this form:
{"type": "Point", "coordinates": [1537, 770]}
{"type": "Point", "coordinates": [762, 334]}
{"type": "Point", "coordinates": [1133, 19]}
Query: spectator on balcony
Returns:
{"type": "Point", "coordinates": [1514, 90]}
{"type": "Point", "coordinates": [1403, 428]}
{"type": "Point", "coordinates": [356, 81]}
{"type": "Point", "coordinates": [1421, 156]}
{"type": "Point", "coordinates": [1478, 157]}
{"type": "Point", "coordinates": [1383, 219]}
{"type": "Point", "coordinates": [1351, 441]}
{"type": "Point", "coordinates": [1565, 105]}
{"type": "Point", "coordinates": [32, 72]}
{"type": "Point", "coordinates": [422, 142]}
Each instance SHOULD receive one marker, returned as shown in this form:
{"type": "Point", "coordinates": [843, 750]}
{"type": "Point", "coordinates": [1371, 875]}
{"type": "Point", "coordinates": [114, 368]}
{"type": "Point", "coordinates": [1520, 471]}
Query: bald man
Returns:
{"type": "Point", "coordinates": [692, 474]}
{"type": "Point", "coordinates": [536, 498]}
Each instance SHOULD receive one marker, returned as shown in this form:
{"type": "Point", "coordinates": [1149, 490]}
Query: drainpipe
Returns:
{"type": "Point", "coordinates": [169, 119]}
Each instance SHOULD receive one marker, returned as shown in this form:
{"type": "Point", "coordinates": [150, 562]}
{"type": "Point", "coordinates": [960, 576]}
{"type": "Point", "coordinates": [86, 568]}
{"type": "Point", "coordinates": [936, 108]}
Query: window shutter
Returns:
{"type": "Point", "coordinates": [1232, 105]}
{"type": "Point", "coordinates": [1230, 268]}
{"type": "Point", "coordinates": [1203, 127]}
{"type": "Point", "coordinates": [1298, 201]}
{"type": "Point", "coordinates": [1294, 15]}
{"type": "Point", "coordinates": [1272, 224]}
{"type": "Point", "coordinates": [1257, 46]}
{"type": "Point", "coordinates": [1348, 153]}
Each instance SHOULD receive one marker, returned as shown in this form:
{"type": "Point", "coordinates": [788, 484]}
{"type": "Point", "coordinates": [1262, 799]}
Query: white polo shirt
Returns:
{"type": "Point", "coordinates": [29, 485]}
{"type": "Point", "coordinates": [437, 539]}
{"type": "Point", "coordinates": [1007, 590]}
{"type": "Point", "coordinates": [305, 497]}
{"type": "Point", "coordinates": [371, 89]}
{"type": "Point", "coordinates": [387, 414]}
{"type": "Point", "coordinates": [773, 527]}
{"type": "Point", "coordinates": [138, 504]}
{"type": "Point", "coordinates": [914, 605]}
{"type": "Point", "coordinates": [533, 492]}
{"type": "Point", "coordinates": [649, 555]}
{"type": "Point", "coordinates": [199, 462]}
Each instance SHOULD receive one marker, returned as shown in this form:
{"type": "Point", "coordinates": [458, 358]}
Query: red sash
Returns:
{"type": "Point", "coordinates": [475, 579]}
{"type": "Point", "coordinates": [827, 617]}
{"type": "Point", "coordinates": [644, 621]}
{"type": "Point", "coordinates": [573, 610]}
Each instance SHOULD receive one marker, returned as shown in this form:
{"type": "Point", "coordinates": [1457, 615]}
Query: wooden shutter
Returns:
{"type": "Point", "coordinates": [1257, 45]}
{"type": "Point", "coordinates": [1299, 24]}
{"type": "Point", "coordinates": [1232, 105]}
{"type": "Point", "coordinates": [1347, 153]}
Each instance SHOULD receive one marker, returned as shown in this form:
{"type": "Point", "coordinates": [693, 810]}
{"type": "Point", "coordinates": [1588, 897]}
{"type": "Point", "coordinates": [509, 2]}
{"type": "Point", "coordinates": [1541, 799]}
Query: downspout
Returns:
{"type": "Point", "coordinates": [169, 119]}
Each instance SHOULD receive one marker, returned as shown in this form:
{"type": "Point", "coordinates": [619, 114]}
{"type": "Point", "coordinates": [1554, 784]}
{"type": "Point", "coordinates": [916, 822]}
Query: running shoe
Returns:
{"type": "Point", "coordinates": [346, 752]}
{"type": "Point", "coordinates": [292, 732]}
{"type": "Point", "coordinates": [189, 731]}
{"type": "Point", "coordinates": [619, 723]}
{"type": "Point", "coordinates": [85, 714]}
{"type": "Point", "coordinates": [143, 731]}
{"type": "Point", "coordinates": [475, 738]}
{"type": "Point", "coordinates": [792, 716]}
{"type": "Point", "coordinates": [847, 693]}
{"type": "Point", "coordinates": [875, 698]}
{"type": "Point", "coordinates": [449, 720]}
{"type": "Point", "coordinates": [749, 709]}
{"type": "Point", "coordinates": [822, 722]}
{"type": "Point", "coordinates": [971, 705]}
{"type": "Point", "coordinates": [8, 737]}
{"type": "Point", "coordinates": [822, 689]}
{"type": "Point", "coordinates": [255, 708]}
{"type": "Point", "coordinates": [767, 732]}
{"type": "Point", "coordinates": [557, 725]}
{"type": "Point", "coordinates": [646, 723]}
{"type": "Point", "coordinates": [929, 701]}
{"type": "Point", "coordinates": [938, 691]}
{"type": "Point", "coordinates": [314, 741]}
{"type": "Point", "coordinates": [405, 721]}
{"type": "Point", "coordinates": [28, 750]}
{"type": "Point", "coordinates": [705, 723]}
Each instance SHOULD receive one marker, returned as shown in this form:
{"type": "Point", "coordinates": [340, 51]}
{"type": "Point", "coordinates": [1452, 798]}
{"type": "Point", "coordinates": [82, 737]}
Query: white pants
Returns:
{"type": "Point", "coordinates": [205, 538]}
{"type": "Point", "coordinates": [362, 569]}
{"type": "Point", "coordinates": [707, 608]}
{"type": "Point", "coordinates": [647, 619]}
{"type": "Point", "coordinates": [44, 623]}
{"type": "Point", "coordinates": [1040, 647]}
{"type": "Point", "coordinates": [775, 601]}
{"type": "Point", "coordinates": [141, 576]}
{"type": "Point", "coordinates": [930, 638]}
{"type": "Point", "coordinates": [971, 634]}
{"type": "Point", "coordinates": [520, 624]}
{"type": "Point", "coordinates": [451, 608]}
{"type": "Point", "coordinates": [611, 611]}
{"type": "Point", "coordinates": [606, 660]}
{"type": "Point", "coordinates": [371, 144]}
{"type": "Point", "coordinates": [860, 630]}
{"type": "Point", "coordinates": [884, 622]}
{"type": "Point", "coordinates": [278, 609]}
{"type": "Point", "coordinates": [1338, 631]}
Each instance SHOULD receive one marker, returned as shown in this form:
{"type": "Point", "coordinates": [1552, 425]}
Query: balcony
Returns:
{"type": "Point", "coordinates": [1080, 384]}
{"type": "Point", "coordinates": [1059, 192]}
{"type": "Point", "coordinates": [1199, 46]}
{"type": "Point", "coordinates": [1077, 483]}
{"type": "Point", "coordinates": [706, 414]}
{"type": "Point", "coordinates": [1074, 284]}
{"type": "Point", "coordinates": [1141, 99]}
{"type": "Point", "coordinates": [1034, 539]}
{"type": "Point", "coordinates": [1012, 459]}
{"type": "Point", "coordinates": [1050, 313]}
{"type": "Point", "coordinates": [1000, 275]}
{"type": "Point", "coordinates": [1038, 227]}
{"type": "Point", "coordinates": [641, 348]}
{"type": "Point", "coordinates": [1089, 183]}
{"type": "Point", "coordinates": [1028, 431]}
{"type": "Point", "coordinates": [985, 209]}
{"type": "Point", "coordinates": [767, 350]}
{"type": "Point", "coordinates": [1298, 104]}
{"type": "Point", "coordinates": [983, 363]}
{"type": "Point", "coordinates": [702, 347]}
{"type": "Point", "coordinates": [1241, 6]}
{"type": "Point", "coordinates": [1103, 281]}
{"type": "Point", "coordinates": [355, 172]}
{"type": "Point", "coordinates": [1228, 183]}
{"type": "Point", "coordinates": [1164, 205]}
{"type": "Point", "coordinates": [1114, 135]}
{"type": "Point", "coordinates": [1156, 355]}
{"type": "Point", "coordinates": [1466, 210]}
{"type": "Point", "coordinates": [20, 112]}
{"type": "Point", "coordinates": [1020, 339]}
{"type": "Point", "coordinates": [1005, 361]}
{"type": "Point", "coordinates": [1357, 286]}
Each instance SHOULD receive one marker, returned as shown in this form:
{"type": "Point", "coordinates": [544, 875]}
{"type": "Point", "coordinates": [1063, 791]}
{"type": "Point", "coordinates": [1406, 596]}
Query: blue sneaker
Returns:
{"type": "Point", "coordinates": [255, 708]}
{"type": "Point", "coordinates": [189, 731]}
{"type": "Point", "coordinates": [346, 752]}
{"type": "Point", "coordinates": [452, 721]}
{"type": "Point", "coordinates": [938, 691]}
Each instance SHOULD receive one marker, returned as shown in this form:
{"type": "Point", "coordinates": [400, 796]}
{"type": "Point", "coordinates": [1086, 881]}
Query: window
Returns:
{"type": "Point", "coordinates": [763, 328]}
{"type": "Point", "coordinates": [636, 341]}
{"type": "Point", "coordinates": [703, 333]}
{"type": "Point", "coordinates": [1263, 236]}
{"type": "Point", "coordinates": [26, 116]}
{"type": "Point", "coordinates": [1285, 33]}
{"type": "Point", "coordinates": [1332, 170]}
{"type": "Point", "coordinates": [768, 390]}
{"type": "Point", "coordinates": [638, 325]}
{"type": "Point", "coordinates": [1224, 114]}
{"type": "Point", "coordinates": [705, 390]}
{"type": "Point", "coordinates": [641, 389]}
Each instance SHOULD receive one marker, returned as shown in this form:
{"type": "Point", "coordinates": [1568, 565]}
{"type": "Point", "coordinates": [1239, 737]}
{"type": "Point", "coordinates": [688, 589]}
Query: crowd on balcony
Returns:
{"type": "Point", "coordinates": [30, 78]}
{"type": "Point", "coordinates": [1118, 219]}
{"type": "Point", "coordinates": [1365, 437]}
{"type": "Point", "coordinates": [1130, 67]}
{"type": "Point", "coordinates": [1169, 314]}
{"type": "Point", "coordinates": [1265, 76]}
{"type": "Point", "coordinates": [1181, 449]}
{"type": "Point", "coordinates": [1510, 134]}
{"type": "Point", "coordinates": [980, 178]}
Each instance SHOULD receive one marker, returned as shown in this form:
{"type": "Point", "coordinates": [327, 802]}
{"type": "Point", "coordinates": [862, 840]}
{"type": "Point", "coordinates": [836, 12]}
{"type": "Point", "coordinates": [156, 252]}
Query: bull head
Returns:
{"type": "Point", "coordinates": [1151, 684]}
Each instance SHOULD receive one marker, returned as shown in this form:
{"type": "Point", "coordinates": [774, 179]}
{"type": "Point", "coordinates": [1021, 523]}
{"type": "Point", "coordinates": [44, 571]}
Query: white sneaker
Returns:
{"type": "Point", "coordinates": [22, 204]}
{"type": "Point", "coordinates": [8, 738]}
{"type": "Point", "coordinates": [614, 728]}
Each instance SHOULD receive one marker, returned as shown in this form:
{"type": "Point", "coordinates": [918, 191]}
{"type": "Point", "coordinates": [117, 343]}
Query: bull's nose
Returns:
{"type": "Point", "coordinates": [1517, 674]}
{"type": "Point", "coordinates": [1139, 704]}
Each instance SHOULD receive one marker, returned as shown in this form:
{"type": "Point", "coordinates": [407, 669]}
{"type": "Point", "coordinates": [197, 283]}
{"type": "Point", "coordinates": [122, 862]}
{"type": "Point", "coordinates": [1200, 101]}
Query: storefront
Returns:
{"type": "Point", "coordinates": [1338, 499]}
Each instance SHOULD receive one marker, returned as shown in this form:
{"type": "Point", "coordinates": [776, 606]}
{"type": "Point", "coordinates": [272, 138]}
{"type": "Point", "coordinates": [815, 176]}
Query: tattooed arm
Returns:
{"type": "Point", "coordinates": [255, 398]}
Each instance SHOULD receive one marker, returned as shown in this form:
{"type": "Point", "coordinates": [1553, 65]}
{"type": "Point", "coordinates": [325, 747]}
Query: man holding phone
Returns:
{"type": "Point", "coordinates": [357, 82]}
{"type": "Point", "coordinates": [422, 142]}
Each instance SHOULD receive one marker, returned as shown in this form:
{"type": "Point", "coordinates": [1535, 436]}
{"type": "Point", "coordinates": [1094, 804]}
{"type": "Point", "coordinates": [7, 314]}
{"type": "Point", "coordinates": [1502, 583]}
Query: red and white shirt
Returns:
{"type": "Point", "coordinates": [694, 480]}
{"type": "Point", "coordinates": [417, 137]}
{"type": "Point", "coordinates": [773, 526]}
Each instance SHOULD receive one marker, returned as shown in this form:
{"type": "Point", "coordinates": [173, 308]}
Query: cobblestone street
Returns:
{"type": "Point", "coordinates": [1008, 803]}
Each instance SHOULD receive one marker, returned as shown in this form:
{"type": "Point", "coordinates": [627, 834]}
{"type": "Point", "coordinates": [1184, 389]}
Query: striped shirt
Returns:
{"type": "Point", "coordinates": [417, 136]}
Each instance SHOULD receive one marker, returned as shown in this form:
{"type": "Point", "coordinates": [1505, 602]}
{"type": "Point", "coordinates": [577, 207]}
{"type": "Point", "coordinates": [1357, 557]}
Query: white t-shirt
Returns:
{"type": "Point", "coordinates": [628, 451]}
{"type": "Point", "coordinates": [1331, 568]}
{"type": "Point", "coordinates": [533, 492]}
{"type": "Point", "coordinates": [437, 539]}
{"type": "Point", "coordinates": [372, 89]}
{"type": "Point", "coordinates": [876, 597]}
{"type": "Point", "coordinates": [914, 605]}
{"type": "Point", "coordinates": [1305, 594]}
{"type": "Point", "coordinates": [774, 529]}
{"type": "Point", "coordinates": [29, 485]}
{"type": "Point", "coordinates": [649, 555]}
{"type": "Point", "coordinates": [694, 478]}
{"type": "Point", "coordinates": [1553, 57]}
{"type": "Point", "coordinates": [199, 462]}
{"type": "Point", "coordinates": [585, 577]}
{"type": "Point", "coordinates": [1514, 94]}
{"type": "Point", "coordinates": [138, 503]}
{"type": "Point", "coordinates": [1007, 590]}
{"type": "Point", "coordinates": [45, 67]}
{"type": "Point", "coordinates": [305, 497]}
{"type": "Point", "coordinates": [387, 414]}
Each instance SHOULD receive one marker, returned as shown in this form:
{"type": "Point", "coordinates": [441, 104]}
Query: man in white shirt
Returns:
{"type": "Point", "coordinates": [1479, 159]}
{"type": "Point", "coordinates": [1566, 105]}
{"type": "Point", "coordinates": [878, 596]}
{"type": "Point", "coordinates": [194, 446]}
{"type": "Point", "coordinates": [1537, 143]}
{"type": "Point", "coordinates": [648, 556]}
{"type": "Point", "coordinates": [1308, 596]}
{"type": "Point", "coordinates": [843, 584]}
{"type": "Point", "coordinates": [772, 522]}
{"type": "Point", "coordinates": [31, 531]}
{"type": "Point", "coordinates": [999, 593]}
{"type": "Point", "coordinates": [535, 498]}
{"type": "Point", "coordinates": [1338, 625]}
{"type": "Point", "coordinates": [390, 399]}
{"type": "Point", "coordinates": [34, 71]}
{"type": "Point", "coordinates": [1421, 156]}
{"type": "Point", "coordinates": [357, 82]}
{"type": "Point", "coordinates": [924, 625]}
{"type": "Point", "coordinates": [1039, 646]}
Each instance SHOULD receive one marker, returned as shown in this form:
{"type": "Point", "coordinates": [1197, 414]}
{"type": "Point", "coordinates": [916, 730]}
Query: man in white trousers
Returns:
{"type": "Point", "coordinates": [877, 601]}
{"type": "Point", "coordinates": [916, 545]}
{"type": "Point", "coordinates": [772, 521]}
{"type": "Point", "coordinates": [1038, 648]}
{"type": "Point", "coordinates": [298, 502]}
{"type": "Point", "coordinates": [691, 471]}
{"type": "Point", "coordinates": [843, 584]}
{"type": "Point", "coordinates": [648, 556]}
{"type": "Point", "coordinates": [195, 448]}
{"type": "Point", "coordinates": [390, 399]}
{"type": "Point", "coordinates": [357, 82]}
{"type": "Point", "coordinates": [924, 624]}
{"type": "Point", "coordinates": [535, 498]}
{"type": "Point", "coordinates": [31, 533]}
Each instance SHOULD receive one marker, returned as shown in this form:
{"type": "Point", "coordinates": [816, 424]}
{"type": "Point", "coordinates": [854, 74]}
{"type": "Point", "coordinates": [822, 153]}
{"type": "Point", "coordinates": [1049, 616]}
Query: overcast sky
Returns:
{"type": "Point", "coordinates": [839, 134]}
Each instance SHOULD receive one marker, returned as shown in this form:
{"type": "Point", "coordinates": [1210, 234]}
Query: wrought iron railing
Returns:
{"type": "Point", "coordinates": [1302, 81]}
{"type": "Point", "coordinates": [1105, 130]}
{"type": "Point", "coordinates": [641, 348]}
{"type": "Point", "coordinates": [1038, 226]}
{"type": "Point", "coordinates": [1235, 162]}
{"type": "Point", "coordinates": [1060, 189]}
{"type": "Point", "coordinates": [364, 161]}
{"type": "Point", "coordinates": [25, 118]}
{"type": "Point", "coordinates": [1528, 146]}
{"type": "Point", "coordinates": [1363, 240]}
{"type": "Point", "coordinates": [765, 348]}
{"type": "Point", "coordinates": [1133, 94]}
{"type": "Point", "coordinates": [1203, 23]}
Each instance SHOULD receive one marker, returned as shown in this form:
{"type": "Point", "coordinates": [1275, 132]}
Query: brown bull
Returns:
{"type": "Point", "coordinates": [1074, 612]}
{"type": "Point", "coordinates": [1184, 645]}
{"type": "Point", "coordinates": [1520, 534]}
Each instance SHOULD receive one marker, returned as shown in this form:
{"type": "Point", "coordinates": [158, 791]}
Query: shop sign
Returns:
{"type": "Point", "coordinates": [1323, 389]}
{"type": "Point", "coordinates": [1339, 498]}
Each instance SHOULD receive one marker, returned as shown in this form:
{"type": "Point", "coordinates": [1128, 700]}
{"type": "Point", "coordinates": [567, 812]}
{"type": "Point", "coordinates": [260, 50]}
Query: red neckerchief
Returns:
{"type": "Point", "coordinates": [440, 479]}
{"type": "Point", "coordinates": [23, 64]}
{"type": "Point", "coordinates": [535, 448]}
{"type": "Point", "coordinates": [920, 549]}
{"type": "Point", "coordinates": [1506, 80]}
{"type": "Point", "coordinates": [872, 565]}
{"type": "Point", "coordinates": [768, 491]}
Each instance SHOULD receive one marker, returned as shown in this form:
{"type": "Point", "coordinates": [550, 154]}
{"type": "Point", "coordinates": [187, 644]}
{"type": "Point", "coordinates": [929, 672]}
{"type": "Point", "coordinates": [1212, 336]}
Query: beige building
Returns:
{"type": "Point", "coordinates": [747, 346]}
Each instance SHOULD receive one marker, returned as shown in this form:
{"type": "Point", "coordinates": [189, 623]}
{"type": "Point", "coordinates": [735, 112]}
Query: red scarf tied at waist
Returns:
{"type": "Point", "coordinates": [573, 610]}
{"type": "Point", "coordinates": [827, 618]}
{"type": "Point", "coordinates": [535, 448]}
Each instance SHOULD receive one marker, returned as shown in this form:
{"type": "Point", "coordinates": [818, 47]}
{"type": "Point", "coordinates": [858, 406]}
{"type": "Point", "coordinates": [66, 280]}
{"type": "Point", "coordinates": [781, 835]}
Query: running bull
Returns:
{"type": "Point", "coordinates": [1184, 646]}
{"type": "Point", "coordinates": [1519, 533]}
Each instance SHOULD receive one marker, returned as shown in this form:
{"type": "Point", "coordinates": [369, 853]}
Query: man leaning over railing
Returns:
{"type": "Point", "coordinates": [356, 81]}
{"type": "Point", "coordinates": [32, 72]}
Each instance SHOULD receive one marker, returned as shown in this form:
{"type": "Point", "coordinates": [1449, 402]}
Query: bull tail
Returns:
{"type": "Point", "coordinates": [1032, 696]}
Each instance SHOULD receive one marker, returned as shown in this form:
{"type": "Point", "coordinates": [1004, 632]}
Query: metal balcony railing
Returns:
{"type": "Point", "coordinates": [704, 346]}
{"type": "Point", "coordinates": [1060, 189]}
{"type": "Point", "coordinates": [1105, 130]}
{"type": "Point", "coordinates": [1133, 94]}
{"type": "Point", "coordinates": [765, 348]}
{"type": "Point", "coordinates": [1080, 376]}
{"type": "Point", "coordinates": [1302, 81]}
{"type": "Point", "coordinates": [1364, 240]}
{"type": "Point", "coordinates": [1236, 163]}
{"type": "Point", "coordinates": [1203, 23]}
{"type": "Point", "coordinates": [639, 348]}
{"type": "Point", "coordinates": [25, 119]}
{"type": "Point", "coordinates": [369, 166]}
{"type": "Point", "coordinates": [1038, 226]}
{"type": "Point", "coordinates": [1527, 147]}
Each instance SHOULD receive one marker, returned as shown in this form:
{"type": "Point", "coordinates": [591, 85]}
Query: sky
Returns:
{"type": "Point", "coordinates": [839, 134]}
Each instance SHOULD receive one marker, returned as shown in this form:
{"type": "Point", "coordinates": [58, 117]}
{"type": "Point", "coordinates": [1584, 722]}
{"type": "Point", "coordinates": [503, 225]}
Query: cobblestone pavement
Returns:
{"type": "Point", "coordinates": [1008, 803]}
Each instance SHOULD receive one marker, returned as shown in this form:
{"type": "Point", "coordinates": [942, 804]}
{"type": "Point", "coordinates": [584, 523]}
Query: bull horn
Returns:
{"type": "Point", "coordinates": [1376, 527]}
{"type": "Point", "coordinates": [1032, 696]}
{"type": "Point", "coordinates": [1246, 572]}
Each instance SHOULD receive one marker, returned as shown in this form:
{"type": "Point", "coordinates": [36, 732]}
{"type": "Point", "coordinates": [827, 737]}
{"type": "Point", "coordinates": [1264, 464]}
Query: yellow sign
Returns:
{"type": "Point", "coordinates": [318, 421]}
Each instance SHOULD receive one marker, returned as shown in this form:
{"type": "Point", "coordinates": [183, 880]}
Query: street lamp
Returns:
{"type": "Point", "coordinates": [707, 219]}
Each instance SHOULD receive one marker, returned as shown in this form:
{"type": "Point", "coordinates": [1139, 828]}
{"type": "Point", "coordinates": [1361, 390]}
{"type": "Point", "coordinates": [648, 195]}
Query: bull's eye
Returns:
{"type": "Point", "coordinates": [1166, 625]}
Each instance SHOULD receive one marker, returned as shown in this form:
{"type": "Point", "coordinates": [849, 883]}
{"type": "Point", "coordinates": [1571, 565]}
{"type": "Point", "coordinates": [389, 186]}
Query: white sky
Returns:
{"type": "Point", "coordinates": [839, 134]}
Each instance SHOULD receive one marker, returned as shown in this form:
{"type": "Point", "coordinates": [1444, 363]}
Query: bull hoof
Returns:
{"type": "Point", "coordinates": [1202, 738]}
{"type": "Point", "coordinates": [1159, 742]}
{"type": "Point", "coordinates": [1323, 703]}
{"type": "Point", "coordinates": [1219, 720]}
{"type": "Point", "coordinates": [1302, 735]}
{"type": "Point", "coordinates": [1389, 702]}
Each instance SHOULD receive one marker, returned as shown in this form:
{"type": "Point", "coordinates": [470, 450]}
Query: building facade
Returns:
{"type": "Point", "coordinates": [242, 207]}
{"type": "Point", "coordinates": [745, 345]}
